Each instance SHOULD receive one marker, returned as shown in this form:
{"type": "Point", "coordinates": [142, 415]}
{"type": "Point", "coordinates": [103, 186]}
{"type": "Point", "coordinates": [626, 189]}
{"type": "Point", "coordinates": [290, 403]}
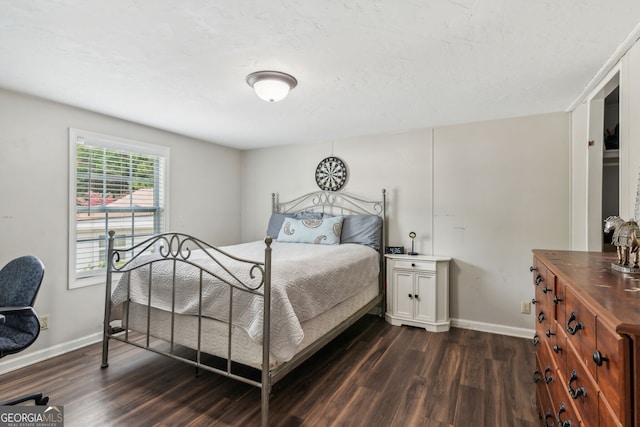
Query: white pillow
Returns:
{"type": "Point", "coordinates": [325, 231]}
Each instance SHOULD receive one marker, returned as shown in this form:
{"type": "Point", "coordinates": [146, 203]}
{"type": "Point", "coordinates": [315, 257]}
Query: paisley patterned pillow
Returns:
{"type": "Point", "coordinates": [324, 231]}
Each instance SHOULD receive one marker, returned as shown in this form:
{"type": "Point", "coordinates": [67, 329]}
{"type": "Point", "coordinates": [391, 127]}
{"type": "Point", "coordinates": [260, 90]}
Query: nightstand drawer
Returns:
{"type": "Point", "coordinates": [411, 264]}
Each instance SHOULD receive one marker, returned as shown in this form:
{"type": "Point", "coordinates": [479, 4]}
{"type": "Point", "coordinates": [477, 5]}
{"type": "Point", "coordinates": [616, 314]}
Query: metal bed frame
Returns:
{"type": "Point", "coordinates": [177, 248]}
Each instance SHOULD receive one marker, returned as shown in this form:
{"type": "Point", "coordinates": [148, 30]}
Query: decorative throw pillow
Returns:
{"type": "Point", "coordinates": [324, 231]}
{"type": "Point", "coordinates": [276, 220]}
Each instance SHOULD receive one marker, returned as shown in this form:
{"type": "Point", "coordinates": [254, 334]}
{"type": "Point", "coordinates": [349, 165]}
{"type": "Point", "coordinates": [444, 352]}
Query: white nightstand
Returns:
{"type": "Point", "coordinates": [418, 291]}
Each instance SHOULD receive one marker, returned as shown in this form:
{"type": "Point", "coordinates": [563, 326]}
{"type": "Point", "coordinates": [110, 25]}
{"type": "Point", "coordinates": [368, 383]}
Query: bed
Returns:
{"type": "Point", "coordinates": [321, 267]}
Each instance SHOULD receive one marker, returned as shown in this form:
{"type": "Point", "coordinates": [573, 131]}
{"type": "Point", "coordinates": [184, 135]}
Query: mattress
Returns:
{"type": "Point", "coordinates": [306, 281]}
{"type": "Point", "coordinates": [244, 349]}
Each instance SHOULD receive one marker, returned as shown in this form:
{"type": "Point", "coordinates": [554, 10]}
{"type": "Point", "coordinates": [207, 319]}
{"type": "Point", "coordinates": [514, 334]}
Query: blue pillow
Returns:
{"type": "Point", "coordinates": [324, 231]}
{"type": "Point", "coordinates": [362, 229]}
{"type": "Point", "coordinates": [276, 220]}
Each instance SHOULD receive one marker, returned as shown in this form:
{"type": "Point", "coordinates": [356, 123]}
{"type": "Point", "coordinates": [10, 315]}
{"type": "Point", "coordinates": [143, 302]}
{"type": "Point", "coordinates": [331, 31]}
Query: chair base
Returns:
{"type": "Point", "coordinates": [39, 398]}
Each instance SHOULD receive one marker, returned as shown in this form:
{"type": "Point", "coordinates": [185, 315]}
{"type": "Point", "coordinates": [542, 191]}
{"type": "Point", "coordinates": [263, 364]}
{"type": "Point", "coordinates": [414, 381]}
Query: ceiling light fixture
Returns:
{"type": "Point", "coordinates": [271, 86]}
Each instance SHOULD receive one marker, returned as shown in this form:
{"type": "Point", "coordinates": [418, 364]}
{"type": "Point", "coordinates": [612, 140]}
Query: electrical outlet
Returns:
{"type": "Point", "coordinates": [525, 307]}
{"type": "Point", "coordinates": [44, 322]}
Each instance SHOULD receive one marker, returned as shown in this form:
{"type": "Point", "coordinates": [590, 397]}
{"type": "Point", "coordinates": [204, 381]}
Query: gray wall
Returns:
{"type": "Point", "coordinates": [34, 192]}
{"type": "Point", "coordinates": [483, 193]}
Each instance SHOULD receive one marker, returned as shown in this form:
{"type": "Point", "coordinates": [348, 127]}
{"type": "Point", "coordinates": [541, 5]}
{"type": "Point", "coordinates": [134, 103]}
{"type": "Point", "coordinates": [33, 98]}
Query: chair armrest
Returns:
{"type": "Point", "coordinates": [17, 311]}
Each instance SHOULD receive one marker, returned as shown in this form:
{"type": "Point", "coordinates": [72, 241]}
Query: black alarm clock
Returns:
{"type": "Point", "coordinates": [396, 250]}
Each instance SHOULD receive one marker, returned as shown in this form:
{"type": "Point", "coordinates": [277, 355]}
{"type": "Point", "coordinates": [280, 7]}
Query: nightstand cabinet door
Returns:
{"type": "Point", "coordinates": [403, 305]}
{"type": "Point", "coordinates": [424, 296]}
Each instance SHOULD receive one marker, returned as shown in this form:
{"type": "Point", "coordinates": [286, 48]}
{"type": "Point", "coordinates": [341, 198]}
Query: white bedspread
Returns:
{"type": "Point", "coordinates": [306, 280]}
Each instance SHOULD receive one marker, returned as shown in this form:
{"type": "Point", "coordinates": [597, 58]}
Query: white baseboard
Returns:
{"type": "Point", "coordinates": [493, 328]}
{"type": "Point", "coordinates": [19, 361]}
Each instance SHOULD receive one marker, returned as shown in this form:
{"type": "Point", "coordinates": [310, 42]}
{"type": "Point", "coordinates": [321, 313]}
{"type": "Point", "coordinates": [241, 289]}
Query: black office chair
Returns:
{"type": "Point", "coordinates": [20, 281]}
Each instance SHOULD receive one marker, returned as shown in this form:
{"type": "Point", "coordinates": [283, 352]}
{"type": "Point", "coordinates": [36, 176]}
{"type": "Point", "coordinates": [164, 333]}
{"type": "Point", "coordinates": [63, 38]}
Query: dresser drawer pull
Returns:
{"type": "Point", "coordinates": [535, 340]}
{"type": "Point", "coordinates": [548, 333]}
{"type": "Point", "coordinates": [546, 290]}
{"type": "Point", "coordinates": [573, 329]}
{"type": "Point", "coordinates": [556, 349]}
{"type": "Point", "coordinates": [541, 317]}
{"type": "Point", "coordinates": [539, 279]}
{"type": "Point", "coordinates": [561, 411]}
{"type": "Point", "coordinates": [599, 358]}
{"type": "Point", "coordinates": [556, 300]}
{"type": "Point", "coordinates": [575, 393]}
{"type": "Point", "coordinates": [536, 376]}
{"type": "Point", "coordinates": [532, 269]}
{"type": "Point", "coordinates": [533, 301]}
{"type": "Point", "coordinates": [548, 416]}
{"type": "Point", "coordinates": [547, 378]}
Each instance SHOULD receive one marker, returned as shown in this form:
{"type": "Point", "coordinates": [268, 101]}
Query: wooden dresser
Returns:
{"type": "Point", "coordinates": [587, 340]}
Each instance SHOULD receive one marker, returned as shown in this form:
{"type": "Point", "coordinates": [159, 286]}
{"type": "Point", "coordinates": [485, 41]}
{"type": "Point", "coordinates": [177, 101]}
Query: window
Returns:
{"type": "Point", "coordinates": [117, 185]}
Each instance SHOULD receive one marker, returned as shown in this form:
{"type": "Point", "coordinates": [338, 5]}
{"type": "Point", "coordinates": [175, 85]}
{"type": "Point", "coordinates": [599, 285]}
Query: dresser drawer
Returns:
{"type": "Point", "coordinates": [544, 310]}
{"type": "Point", "coordinates": [608, 359]}
{"type": "Point", "coordinates": [607, 416]}
{"type": "Point", "coordinates": [580, 325]}
{"type": "Point", "coordinates": [545, 409]}
{"type": "Point", "coordinates": [559, 300]}
{"type": "Point", "coordinates": [563, 407]}
{"type": "Point", "coordinates": [544, 281]}
{"type": "Point", "coordinates": [559, 347]}
{"type": "Point", "coordinates": [581, 389]}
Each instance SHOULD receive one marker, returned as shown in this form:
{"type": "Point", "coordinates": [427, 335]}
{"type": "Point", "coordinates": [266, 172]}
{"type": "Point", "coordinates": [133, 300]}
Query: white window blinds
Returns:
{"type": "Point", "coordinates": [118, 186]}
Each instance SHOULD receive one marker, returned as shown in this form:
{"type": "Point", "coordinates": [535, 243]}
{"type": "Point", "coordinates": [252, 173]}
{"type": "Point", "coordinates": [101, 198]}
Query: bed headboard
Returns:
{"type": "Point", "coordinates": [336, 203]}
{"type": "Point", "coordinates": [331, 202]}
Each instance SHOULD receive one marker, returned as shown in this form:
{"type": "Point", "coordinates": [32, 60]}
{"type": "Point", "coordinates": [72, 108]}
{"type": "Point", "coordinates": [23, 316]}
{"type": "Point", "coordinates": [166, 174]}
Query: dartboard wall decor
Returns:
{"type": "Point", "coordinates": [331, 174]}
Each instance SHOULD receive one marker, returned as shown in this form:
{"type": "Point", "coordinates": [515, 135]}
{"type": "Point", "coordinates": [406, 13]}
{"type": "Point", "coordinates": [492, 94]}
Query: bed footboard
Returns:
{"type": "Point", "coordinates": [175, 251]}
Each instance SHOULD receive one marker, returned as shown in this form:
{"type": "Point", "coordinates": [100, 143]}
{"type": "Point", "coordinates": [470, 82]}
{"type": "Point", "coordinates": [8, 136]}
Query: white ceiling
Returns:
{"type": "Point", "coordinates": [363, 66]}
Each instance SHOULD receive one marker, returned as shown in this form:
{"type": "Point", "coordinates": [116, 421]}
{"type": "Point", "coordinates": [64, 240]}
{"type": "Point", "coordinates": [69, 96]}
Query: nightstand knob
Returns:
{"type": "Point", "coordinates": [410, 296]}
{"type": "Point", "coordinates": [416, 296]}
{"type": "Point", "coordinates": [413, 264]}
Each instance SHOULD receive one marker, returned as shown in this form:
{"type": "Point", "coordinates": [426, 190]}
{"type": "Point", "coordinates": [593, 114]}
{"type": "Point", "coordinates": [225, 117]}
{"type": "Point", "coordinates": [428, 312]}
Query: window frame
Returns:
{"type": "Point", "coordinates": [109, 142]}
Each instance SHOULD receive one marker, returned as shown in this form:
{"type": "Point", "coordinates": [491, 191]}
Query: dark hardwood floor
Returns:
{"type": "Point", "coordinates": [374, 374]}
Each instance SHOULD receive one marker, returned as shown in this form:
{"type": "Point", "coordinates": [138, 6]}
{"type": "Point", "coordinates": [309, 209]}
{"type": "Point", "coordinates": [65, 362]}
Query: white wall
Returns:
{"type": "Point", "coordinates": [579, 152]}
{"type": "Point", "coordinates": [582, 174]}
{"type": "Point", "coordinates": [501, 189]}
{"type": "Point", "coordinates": [630, 130]}
{"type": "Point", "coordinates": [483, 193]}
{"type": "Point", "coordinates": [399, 163]}
{"type": "Point", "coordinates": [34, 163]}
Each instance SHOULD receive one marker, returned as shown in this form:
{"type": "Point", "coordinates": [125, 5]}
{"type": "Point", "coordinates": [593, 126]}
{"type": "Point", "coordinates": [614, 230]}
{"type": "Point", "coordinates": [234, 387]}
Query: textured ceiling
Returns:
{"type": "Point", "coordinates": [363, 66]}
